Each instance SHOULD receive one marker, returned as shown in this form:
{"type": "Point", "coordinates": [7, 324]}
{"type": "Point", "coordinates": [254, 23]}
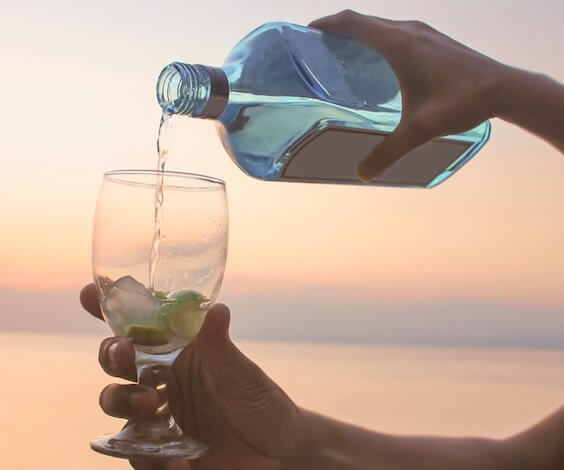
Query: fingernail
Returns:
{"type": "Point", "coordinates": [112, 354]}
{"type": "Point", "coordinates": [363, 174]}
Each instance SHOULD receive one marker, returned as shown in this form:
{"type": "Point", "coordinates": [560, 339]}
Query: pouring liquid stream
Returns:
{"type": "Point", "coordinates": [163, 145]}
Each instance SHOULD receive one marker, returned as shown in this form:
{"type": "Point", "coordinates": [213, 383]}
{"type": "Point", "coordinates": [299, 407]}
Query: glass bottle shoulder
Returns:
{"type": "Point", "coordinates": [284, 59]}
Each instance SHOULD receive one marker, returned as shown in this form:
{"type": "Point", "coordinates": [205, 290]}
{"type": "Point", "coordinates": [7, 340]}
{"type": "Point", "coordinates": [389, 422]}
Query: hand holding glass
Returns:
{"type": "Point", "coordinates": [163, 316]}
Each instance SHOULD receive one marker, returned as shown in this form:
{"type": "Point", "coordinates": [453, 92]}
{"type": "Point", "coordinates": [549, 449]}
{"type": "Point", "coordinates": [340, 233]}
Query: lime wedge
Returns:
{"type": "Point", "coordinates": [184, 313]}
{"type": "Point", "coordinates": [147, 335]}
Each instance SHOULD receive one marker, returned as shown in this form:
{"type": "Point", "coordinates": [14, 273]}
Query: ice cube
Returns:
{"type": "Point", "coordinates": [129, 302]}
{"type": "Point", "coordinates": [132, 285]}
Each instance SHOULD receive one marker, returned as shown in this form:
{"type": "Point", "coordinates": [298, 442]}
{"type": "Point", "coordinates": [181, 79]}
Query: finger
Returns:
{"type": "Point", "coordinates": [388, 152]}
{"type": "Point", "coordinates": [128, 401]}
{"type": "Point", "coordinates": [368, 29]}
{"type": "Point", "coordinates": [89, 300]}
{"type": "Point", "coordinates": [117, 357]}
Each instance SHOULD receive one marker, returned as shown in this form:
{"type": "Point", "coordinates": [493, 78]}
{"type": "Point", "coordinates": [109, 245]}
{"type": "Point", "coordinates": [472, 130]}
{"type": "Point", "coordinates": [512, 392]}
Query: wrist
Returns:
{"type": "Point", "coordinates": [515, 92]}
{"type": "Point", "coordinates": [500, 89]}
{"type": "Point", "coordinates": [532, 101]}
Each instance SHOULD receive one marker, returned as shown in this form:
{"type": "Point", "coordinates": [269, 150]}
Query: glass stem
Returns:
{"type": "Point", "coordinates": [157, 436]}
{"type": "Point", "coordinates": [153, 371]}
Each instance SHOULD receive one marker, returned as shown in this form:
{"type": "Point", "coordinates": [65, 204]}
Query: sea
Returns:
{"type": "Point", "coordinates": [50, 387]}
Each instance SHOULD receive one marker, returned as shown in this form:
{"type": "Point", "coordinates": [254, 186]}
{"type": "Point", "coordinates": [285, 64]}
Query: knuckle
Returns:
{"type": "Point", "coordinates": [416, 25]}
{"type": "Point", "coordinates": [420, 25]}
{"type": "Point", "coordinates": [347, 15]}
{"type": "Point", "coordinates": [415, 32]}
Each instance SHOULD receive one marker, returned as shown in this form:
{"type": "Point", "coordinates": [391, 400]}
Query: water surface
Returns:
{"type": "Point", "coordinates": [51, 383]}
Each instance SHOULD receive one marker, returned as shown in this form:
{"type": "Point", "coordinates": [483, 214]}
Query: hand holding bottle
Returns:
{"type": "Point", "coordinates": [447, 87]}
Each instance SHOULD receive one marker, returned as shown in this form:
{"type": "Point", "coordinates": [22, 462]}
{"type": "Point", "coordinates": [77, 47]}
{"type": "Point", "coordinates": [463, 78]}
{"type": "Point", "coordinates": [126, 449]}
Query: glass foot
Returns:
{"type": "Point", "coordinates": [149, 440]}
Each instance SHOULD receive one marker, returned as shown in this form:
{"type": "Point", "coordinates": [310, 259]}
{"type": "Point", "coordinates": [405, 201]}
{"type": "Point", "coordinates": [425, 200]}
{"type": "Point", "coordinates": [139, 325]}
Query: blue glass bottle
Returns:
{"type": "Point", "coordinates": [294, 104]}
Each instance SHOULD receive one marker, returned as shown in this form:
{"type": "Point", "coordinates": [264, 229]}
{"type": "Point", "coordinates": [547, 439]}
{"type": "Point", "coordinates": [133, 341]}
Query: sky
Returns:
{"type": "Point", "coordinates": [476, 260]}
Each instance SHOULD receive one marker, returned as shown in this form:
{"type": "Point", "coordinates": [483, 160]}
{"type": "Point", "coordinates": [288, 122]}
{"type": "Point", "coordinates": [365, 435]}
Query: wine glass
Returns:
{"type": "Point", "coordinates": [159, 304]}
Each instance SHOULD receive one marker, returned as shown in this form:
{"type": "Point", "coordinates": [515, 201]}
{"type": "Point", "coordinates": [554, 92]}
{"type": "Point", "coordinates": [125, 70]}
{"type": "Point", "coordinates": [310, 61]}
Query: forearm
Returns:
{"type": "Point", "coordinates": [534, 102]}
{"type": "Point", "coordinates": [339, 446]}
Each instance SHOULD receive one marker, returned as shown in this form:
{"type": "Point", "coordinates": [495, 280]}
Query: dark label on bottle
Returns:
{"type": "Point", "coordinates": [333, 155]}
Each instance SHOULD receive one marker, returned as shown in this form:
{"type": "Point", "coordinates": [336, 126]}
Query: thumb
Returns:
{"type": "Point", "coordinates": [390, 150]}
{"type": "Point", "coordinates": [229, 368]}
{"type": "Point", "coordinates": [213, 337]}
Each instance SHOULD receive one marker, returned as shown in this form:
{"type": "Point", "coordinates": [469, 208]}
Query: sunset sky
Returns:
{"type": "Point", "coordinates": [78, 98]}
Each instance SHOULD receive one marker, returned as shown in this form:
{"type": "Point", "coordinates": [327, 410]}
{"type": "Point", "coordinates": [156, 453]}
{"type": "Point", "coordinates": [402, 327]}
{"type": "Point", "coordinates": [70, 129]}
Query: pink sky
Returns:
{"type": "Point", "coordinates": [78, 100]}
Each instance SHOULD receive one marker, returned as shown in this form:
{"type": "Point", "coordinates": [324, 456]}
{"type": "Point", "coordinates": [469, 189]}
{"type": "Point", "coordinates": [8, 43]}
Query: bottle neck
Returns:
{"type": "Point", "coordinates": [193, 90]}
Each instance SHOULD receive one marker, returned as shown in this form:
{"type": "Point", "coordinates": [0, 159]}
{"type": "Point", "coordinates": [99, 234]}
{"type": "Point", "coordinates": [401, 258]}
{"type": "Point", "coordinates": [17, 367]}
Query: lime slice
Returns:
{"type": "Point", "coordinates": [147, 335]}
{"type": "Point", "coordinates": [159, 294]}
{"type": "Point", "coordinates": [184, 313]}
